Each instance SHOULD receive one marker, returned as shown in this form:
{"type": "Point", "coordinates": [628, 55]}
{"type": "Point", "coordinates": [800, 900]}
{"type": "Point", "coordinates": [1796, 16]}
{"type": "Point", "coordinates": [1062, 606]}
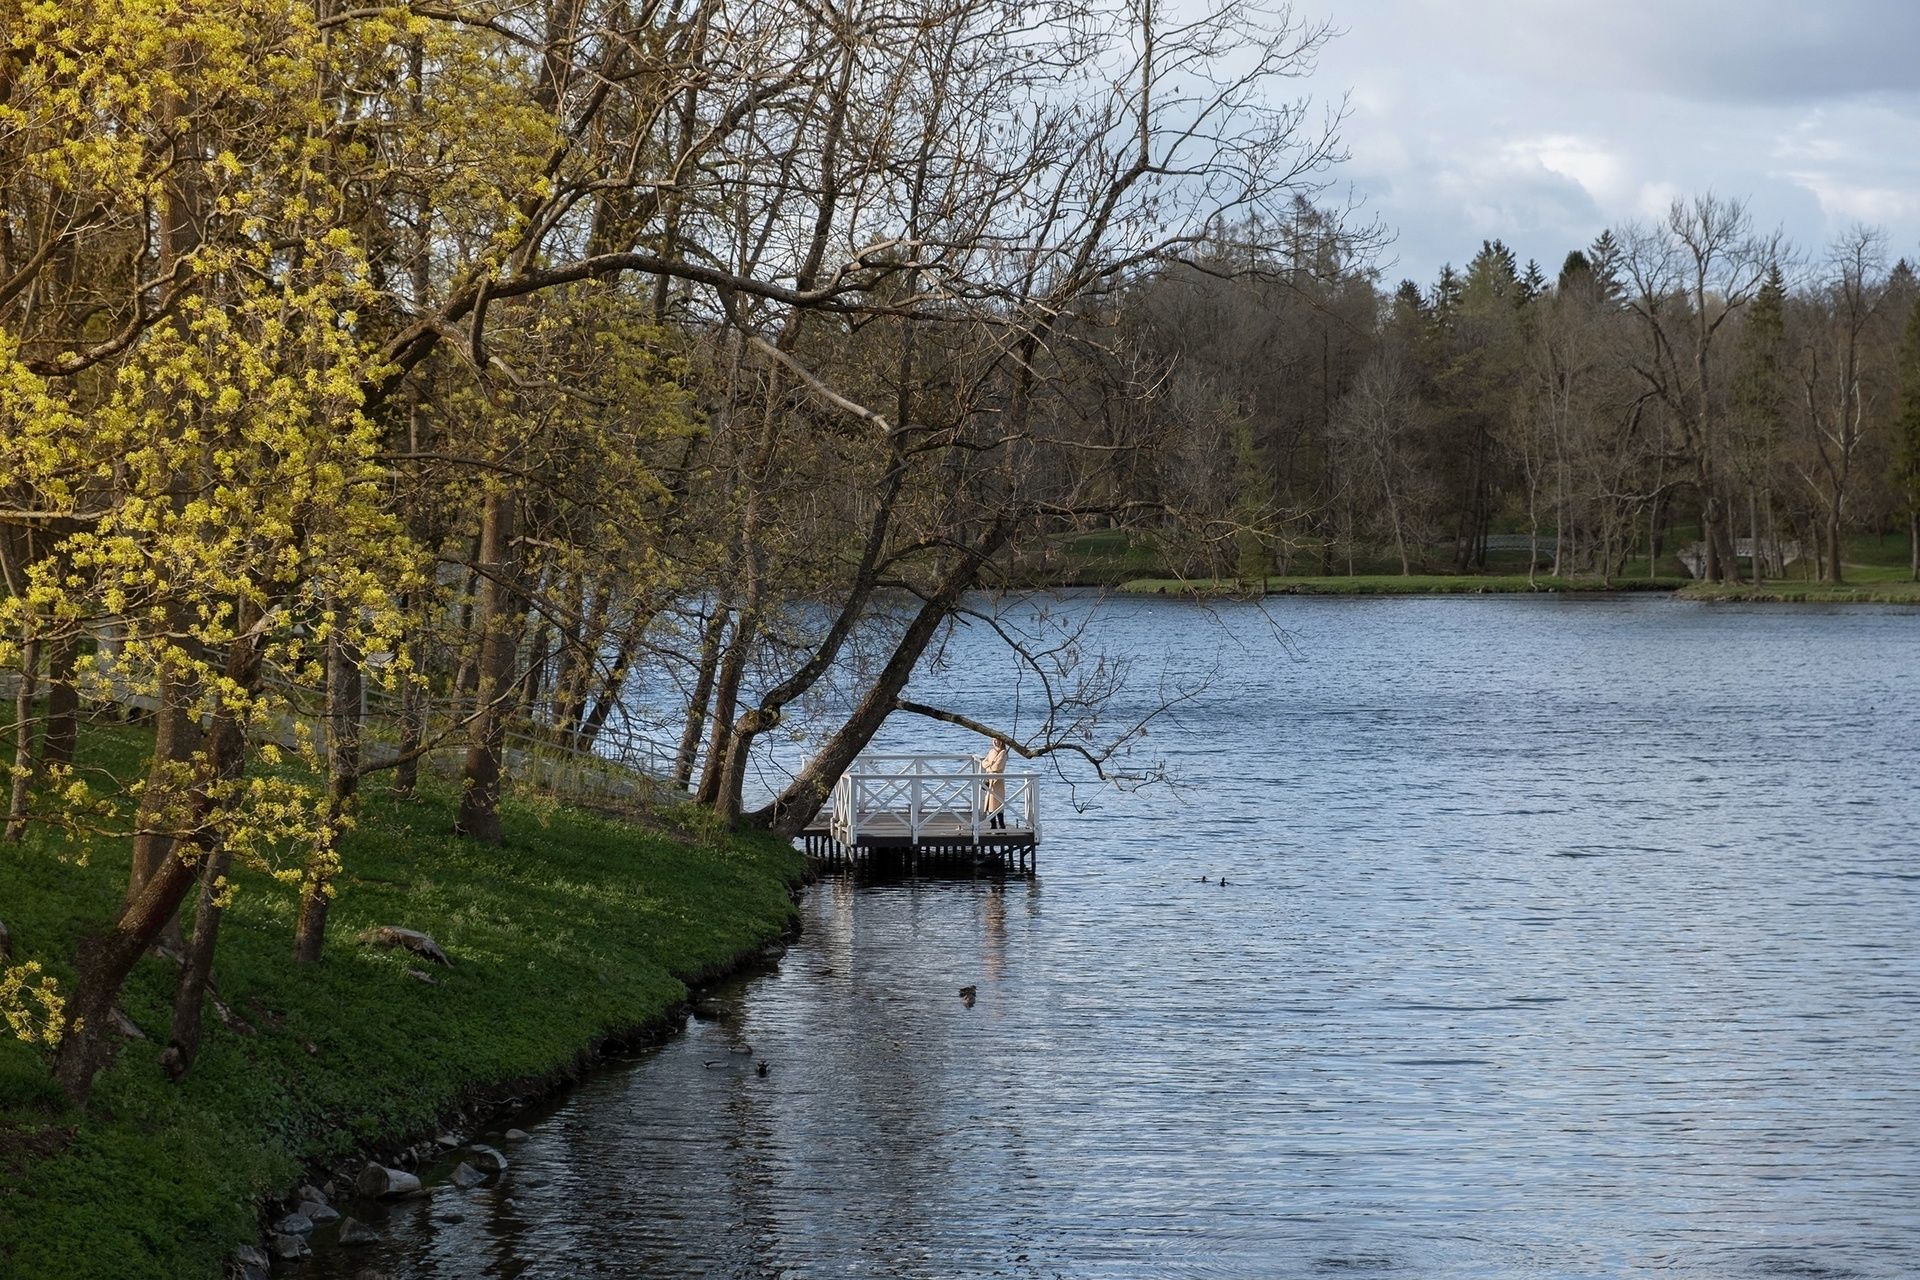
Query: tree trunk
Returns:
{"type": "Point", "coordinates": [774, 701]}
{"type": "Point", "coordinates": [183, 1041]}
{"type": "Point", "coordinates": [1660, 517]}
{"type": "Point", "coordinates": [1399, 537]}
{"type": "Point", "coordinates": [1776, 558]}
{"type": "Point", "coordinates": [1533, 528]}
{"type": "Point", "coordinates": [614, 684]}
{"type": "Point", "coordinates": [466, 672]}
{"type": "Point", "coordinates": [479, 817]}
{"type": "Point", "coordinates": [227, 749]}
{"type": "Point", "coordinates": [796, 806]}
{"type": "Point", "coordinates": [581, 642]}
{"type": "Point", "coordinates": [413, 732]}
{"type": "Point", "coordinates": [1913, 545]}
{"type": "Point", "coordinates": [1714, 569]}
{"type": "Point", "coordinates": [1730, 544]}
{"type": "Point", "coordinates": [1653, 537]}
{"type": "Point", "coordinates": [1834, 571]}
{"type": "Point", "coordinates": [1562, 517]}
{"type": "Point", "coordinates": [702, 695]}
{"type": "Point", "coordinates": [23, 726]}
{"type": "Point", "coordinates": [733, 773]}
{"type": "Point", "coordinates": [733, 665]}
{"type": "Point", "coordinates": [103, 964]}
{"type": "Point", "coordinates": [63, 700]}
{"type": "Point", "coordinates": [533, 680]}
{"type": "Point", "coordinates": [176, 737]}
{"type": "Point", "coordinates": [345, 684]}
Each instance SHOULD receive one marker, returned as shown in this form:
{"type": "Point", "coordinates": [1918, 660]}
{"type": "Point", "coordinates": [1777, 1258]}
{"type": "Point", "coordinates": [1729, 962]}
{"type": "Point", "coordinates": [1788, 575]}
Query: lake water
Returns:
{"type": "Point", "coordinates": [1563, 937]}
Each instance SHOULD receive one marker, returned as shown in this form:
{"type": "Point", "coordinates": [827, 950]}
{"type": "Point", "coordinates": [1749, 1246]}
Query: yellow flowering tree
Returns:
{"type": "Point", "coordinates": [223, 504]}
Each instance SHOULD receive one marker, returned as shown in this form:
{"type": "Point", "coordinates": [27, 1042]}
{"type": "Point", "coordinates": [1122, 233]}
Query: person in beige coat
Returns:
{"type": "Point", "coordinates": [994, 791]}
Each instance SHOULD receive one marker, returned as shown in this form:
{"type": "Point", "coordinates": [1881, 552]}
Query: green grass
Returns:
{"type": "Point", "coordinates": [1890, 551]}
{"type": "Point", "coordinates": [1864, 588]}
{"type": "Point", "coordinates": [1392, 585]}
{"type": "Point", "coordinates": [1877, 571]}
{"type": "Point", "coordinates": [1137, 561]}
{"type": "Point", "coordinates": [578, 928]}
{"type": "Point", "coordinates": [1100, 558]}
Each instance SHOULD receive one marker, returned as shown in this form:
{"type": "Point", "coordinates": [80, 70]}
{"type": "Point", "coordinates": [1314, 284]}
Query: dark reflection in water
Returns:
{"type": "Point", "coordinates": [1563, 939]}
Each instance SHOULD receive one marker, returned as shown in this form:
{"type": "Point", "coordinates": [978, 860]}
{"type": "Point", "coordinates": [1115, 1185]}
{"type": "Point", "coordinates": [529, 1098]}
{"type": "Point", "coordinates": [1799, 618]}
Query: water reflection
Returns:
{"type": "Point", "coordinates": [1561, 940]}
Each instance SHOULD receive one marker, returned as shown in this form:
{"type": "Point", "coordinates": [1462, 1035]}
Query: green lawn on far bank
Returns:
{"type": "Point", "coordinates": [1137, 562]}
{"type": "Point", "coordinates": [576, 929]}
{"type": "Point", "coordinates": [1391, 585]}
{"type": "Point", "coordinates": [1868, 586]}
{"type": "Point", "coordinates": [1859, 589]}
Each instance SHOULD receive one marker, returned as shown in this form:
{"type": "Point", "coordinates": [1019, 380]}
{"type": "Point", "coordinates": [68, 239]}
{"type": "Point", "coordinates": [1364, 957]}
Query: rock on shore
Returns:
{"type": "Point", "coordinates": [377, 1182]}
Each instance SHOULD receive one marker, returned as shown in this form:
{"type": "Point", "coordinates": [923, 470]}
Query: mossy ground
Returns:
{"type": "Point", "coordinates": [577, 928]}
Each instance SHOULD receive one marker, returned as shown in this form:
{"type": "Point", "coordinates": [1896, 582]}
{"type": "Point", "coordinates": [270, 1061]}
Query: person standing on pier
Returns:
{"type": "Point", "coordinates": [994, 792]}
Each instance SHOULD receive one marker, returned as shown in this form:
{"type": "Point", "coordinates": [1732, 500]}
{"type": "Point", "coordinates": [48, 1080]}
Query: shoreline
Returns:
{"type": "Point", "coordinates": [582, 937]}
{"type": "Point", "coordinates": [496, 1105]}
{"type": "Point", "coordinates": [1788, 591]}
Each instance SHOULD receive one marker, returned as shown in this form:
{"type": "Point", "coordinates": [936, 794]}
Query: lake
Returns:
{"type": "Point", "coordinates": [1562, 937]}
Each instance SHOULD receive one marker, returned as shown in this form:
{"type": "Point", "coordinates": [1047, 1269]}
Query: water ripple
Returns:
{"type": "Point", "coordinates": [1562, 941]}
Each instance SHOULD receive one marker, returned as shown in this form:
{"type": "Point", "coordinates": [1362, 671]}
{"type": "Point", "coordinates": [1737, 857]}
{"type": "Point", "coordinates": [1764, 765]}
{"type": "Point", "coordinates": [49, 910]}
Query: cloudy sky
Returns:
{"type": "Point", "coordinates": [1542, 121]}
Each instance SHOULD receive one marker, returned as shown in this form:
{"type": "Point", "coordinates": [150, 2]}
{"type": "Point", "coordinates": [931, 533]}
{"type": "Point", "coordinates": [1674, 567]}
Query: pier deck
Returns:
{"type": "Point", "coordinates": [913, 810]}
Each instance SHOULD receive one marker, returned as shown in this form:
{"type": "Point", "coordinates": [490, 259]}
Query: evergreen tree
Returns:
{"type": "Point", "coordinates": [1533, 281]}
{"type": "Point", "coordinates": [1576, 277]}
{"type": "Point", "coordinates": [1447, 292]}
{"type": "Point", "coordinates": [1603, 260]}
{"type": "Point", "coordinates": [1763, 382]}
{"type": "Point", "coordinates": [1901, 281]}
{"type": "Point", "coordinates": [1493, 273]}
{"type": "Point", "coordinates": [1760, 402]}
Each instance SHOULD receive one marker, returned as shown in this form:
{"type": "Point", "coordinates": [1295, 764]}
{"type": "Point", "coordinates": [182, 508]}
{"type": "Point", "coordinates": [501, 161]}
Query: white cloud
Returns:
{"type": "Point", "coordinates": [1600, 172]}
{"type": "Point", "coordinates": [1846, 203]}
{"type": "Point", "coordinates": [1654, 199]}
{"type": "Point", "coordinates": [1543, 121]}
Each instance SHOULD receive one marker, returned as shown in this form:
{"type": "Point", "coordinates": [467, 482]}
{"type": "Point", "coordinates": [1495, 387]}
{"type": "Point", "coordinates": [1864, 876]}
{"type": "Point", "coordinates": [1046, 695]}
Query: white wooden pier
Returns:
{"type": "Point", "coordinates": [912, 809]}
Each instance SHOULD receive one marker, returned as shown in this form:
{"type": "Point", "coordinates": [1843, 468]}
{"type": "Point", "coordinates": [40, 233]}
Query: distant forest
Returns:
{"type": "Point", "coordinates": [1684, 392]}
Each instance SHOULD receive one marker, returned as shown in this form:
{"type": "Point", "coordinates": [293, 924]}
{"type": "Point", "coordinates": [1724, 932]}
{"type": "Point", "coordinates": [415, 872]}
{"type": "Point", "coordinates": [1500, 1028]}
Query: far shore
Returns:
{"type": "Point", "coordinates": [1785, 591]}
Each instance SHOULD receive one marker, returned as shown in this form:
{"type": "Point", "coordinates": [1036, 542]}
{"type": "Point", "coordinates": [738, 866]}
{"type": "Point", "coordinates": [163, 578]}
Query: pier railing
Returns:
{"type": "Point", "coordinates": [930, 799]}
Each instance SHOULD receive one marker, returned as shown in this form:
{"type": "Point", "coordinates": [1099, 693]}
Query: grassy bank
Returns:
{"type": "Point", "coordinates": [575, 930]}
{"type": "Point", "coordinates": [1876, 570]}
{"type": "Point", "coordinates": [1137, 562]}
{"type": "Point", "coordinates": [1792, 591]}
{"type": "Point", "coordinates": [1391, 585]}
